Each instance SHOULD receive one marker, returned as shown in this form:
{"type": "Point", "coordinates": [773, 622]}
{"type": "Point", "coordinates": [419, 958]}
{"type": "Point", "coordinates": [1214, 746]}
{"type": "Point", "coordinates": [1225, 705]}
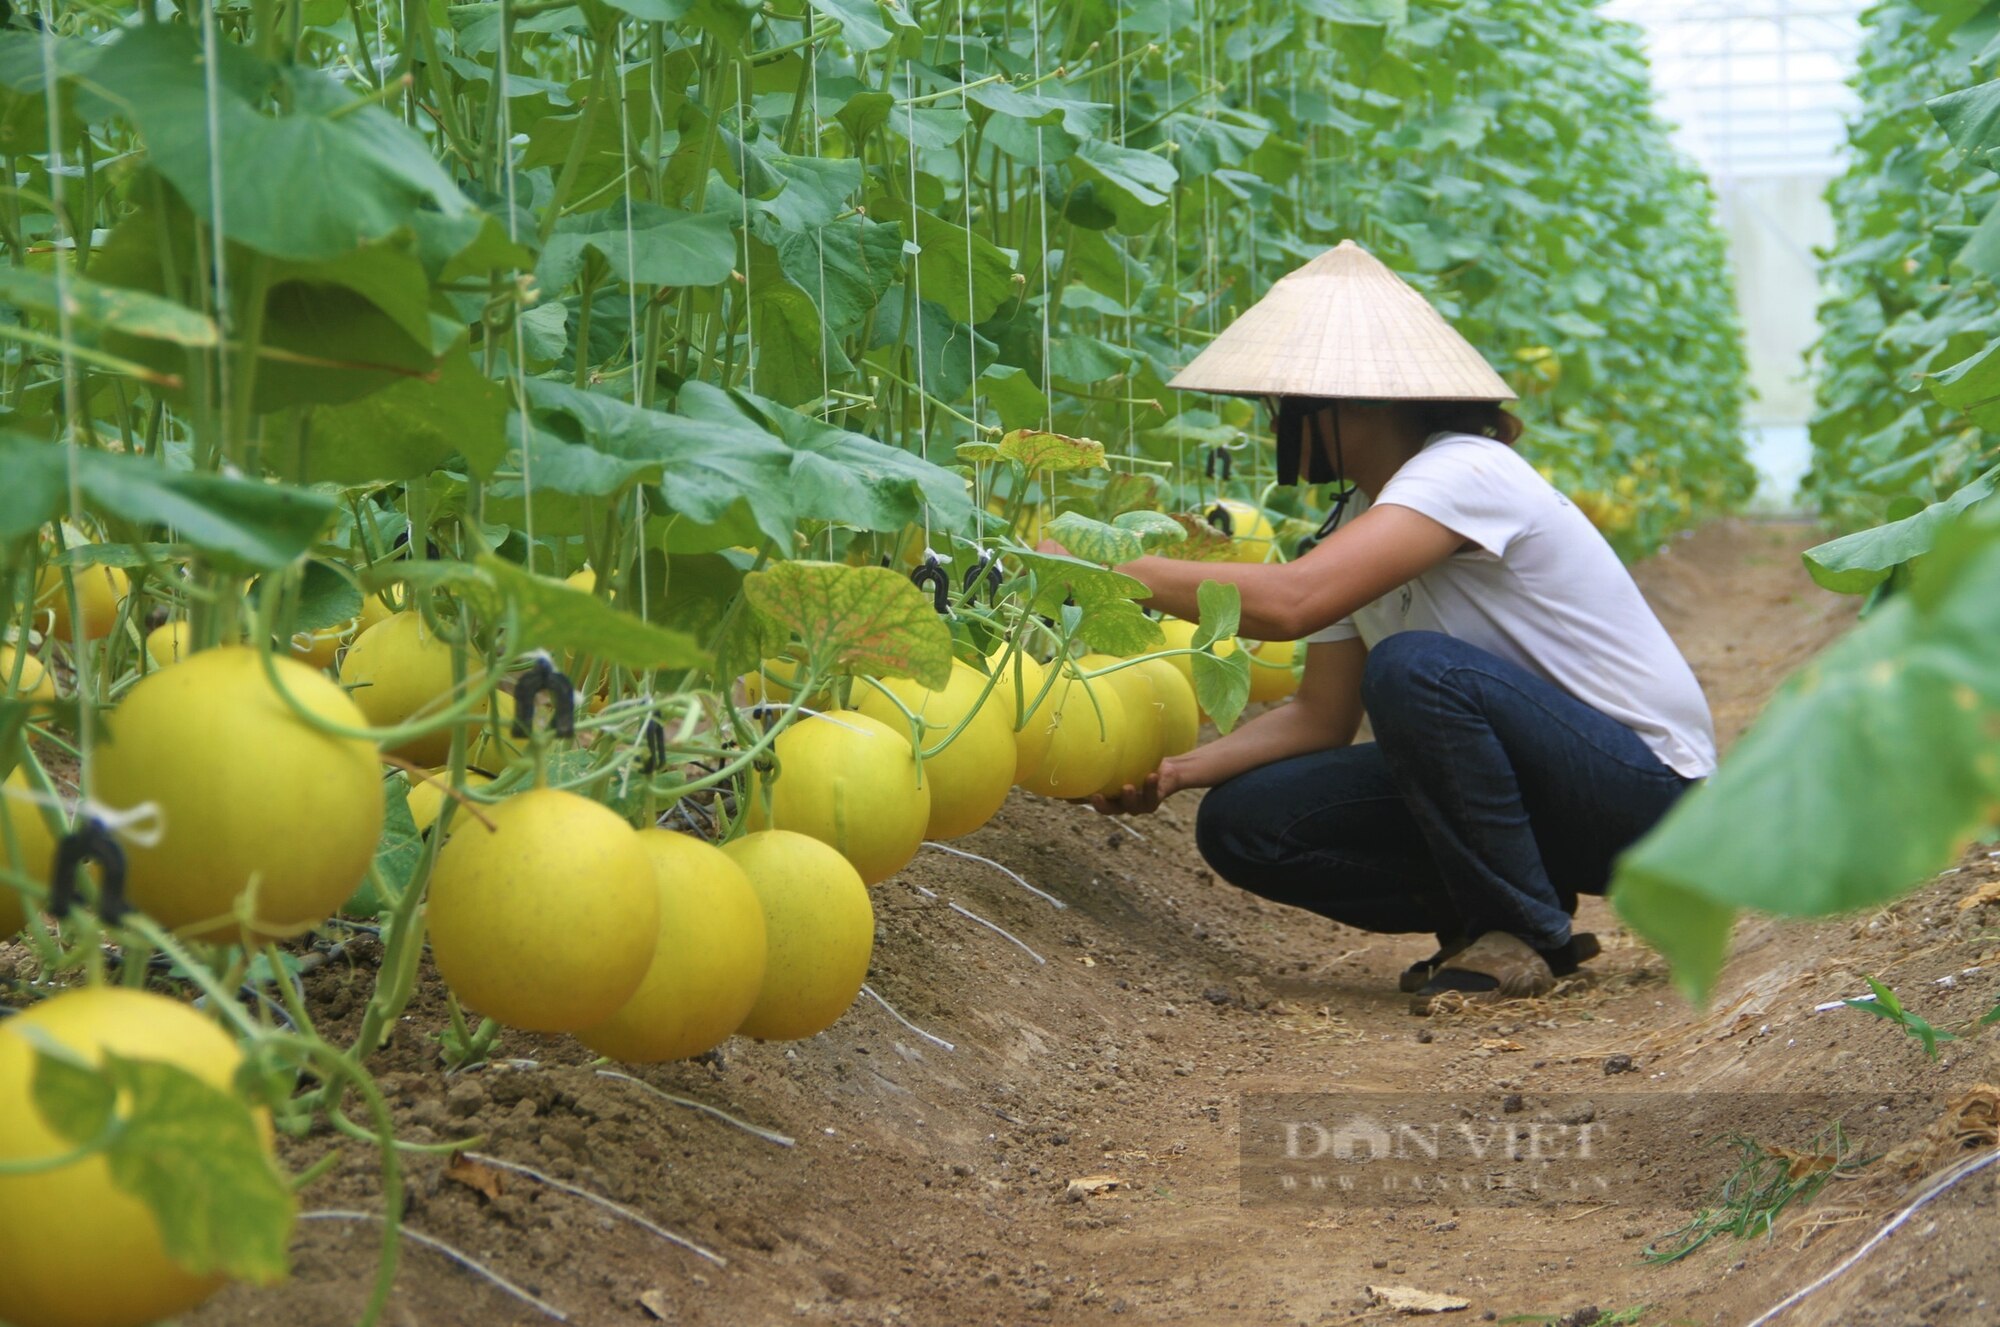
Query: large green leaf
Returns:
{"type": "Point", "coordinates": [408, 430]}
{"type": "Point", "coordinates": [662, 247]}
{"type": "Point", "coordinates": [107, 308]}
{"type": "Point", "coordinates": [240, 521]}
{"type": "Point", "coordinates": [1971, 119]}
{"type": "Point", "coordinates": [192, 1153]}
{"type": "Point", "coordinates": [965, 272]}
{"type": "Point", "coordinates": [1857, 563]}
{"type": "Point", "coordinates": [1132, 184]}
{"type": "Point", "coordinates": [1870, 770]}
{"type": "Point", "coordinates": [834, 474]}
{"type": "Point", "coordinates": [861, 22]}
{"type": "Point", "coordinates": [310, 184]}
{"type": "Point", "coordinates": [857, 619]}
{"type": "Point", "coordinates": [556, 616]}
{"type": "Point", "coordinates": [846, 268]}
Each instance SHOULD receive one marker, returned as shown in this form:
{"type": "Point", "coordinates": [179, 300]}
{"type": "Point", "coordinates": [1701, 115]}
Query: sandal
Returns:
{"type": "Point", "coordinates": [1497, 966]}
{"type": "Point", "coordinates": [1563, 961]}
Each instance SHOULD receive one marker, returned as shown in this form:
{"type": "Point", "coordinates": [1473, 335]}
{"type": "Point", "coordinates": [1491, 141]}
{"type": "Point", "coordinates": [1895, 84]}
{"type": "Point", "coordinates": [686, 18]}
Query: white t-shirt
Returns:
{"type": "Point", "coordinates": [1542, 589]}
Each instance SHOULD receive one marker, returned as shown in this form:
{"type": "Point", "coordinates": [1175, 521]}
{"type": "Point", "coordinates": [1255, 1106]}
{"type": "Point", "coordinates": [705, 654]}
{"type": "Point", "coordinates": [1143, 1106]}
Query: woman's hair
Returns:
{"type": "Point", "coordinates": [1487, 419]}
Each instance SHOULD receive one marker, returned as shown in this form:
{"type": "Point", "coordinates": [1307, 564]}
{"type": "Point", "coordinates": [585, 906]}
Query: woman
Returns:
{"type": "Point", "coordinates": [1531, 717]}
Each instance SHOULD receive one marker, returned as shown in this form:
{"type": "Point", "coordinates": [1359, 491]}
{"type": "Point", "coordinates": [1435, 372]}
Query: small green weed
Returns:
{"type": "Point", "coordinates": [1886, 1005]}
{"type": "Point", "coordinates": [1765, 1182]}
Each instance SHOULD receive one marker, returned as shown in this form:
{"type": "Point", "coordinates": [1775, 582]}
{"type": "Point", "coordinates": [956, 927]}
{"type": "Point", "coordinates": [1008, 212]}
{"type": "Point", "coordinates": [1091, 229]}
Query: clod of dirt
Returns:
{"type": "Point", "coordinates": [1620, 1063]}
{"type": "Point", "coordinates": [1581, 1318]}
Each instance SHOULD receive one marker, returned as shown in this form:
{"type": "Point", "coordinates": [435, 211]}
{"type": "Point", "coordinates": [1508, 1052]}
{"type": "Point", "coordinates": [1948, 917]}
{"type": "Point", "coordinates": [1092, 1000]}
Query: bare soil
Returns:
{"type": "Point", "coordinates": [1118, 1036]}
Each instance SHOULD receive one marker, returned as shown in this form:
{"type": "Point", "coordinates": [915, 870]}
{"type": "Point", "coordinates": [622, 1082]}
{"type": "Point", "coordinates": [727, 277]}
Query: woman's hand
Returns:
{"type": "Point", "coordinates": [1161, 784]}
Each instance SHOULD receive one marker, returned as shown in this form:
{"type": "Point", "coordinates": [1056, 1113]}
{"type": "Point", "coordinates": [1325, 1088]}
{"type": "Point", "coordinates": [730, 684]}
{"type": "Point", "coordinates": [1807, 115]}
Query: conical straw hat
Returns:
{"type": "Point", "coordinates": [1344, 326]}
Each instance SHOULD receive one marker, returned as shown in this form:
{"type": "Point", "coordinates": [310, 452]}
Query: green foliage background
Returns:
{"type": "Point", "coordinates": [426, 222]}
{"type": "Point", "coordinates": [1909, 282]}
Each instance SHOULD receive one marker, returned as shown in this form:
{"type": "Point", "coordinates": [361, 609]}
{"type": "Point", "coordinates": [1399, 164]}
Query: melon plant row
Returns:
{"type": "Point", "coordinates": [1909, 282]}
{"type": "Point", "coordinates": [1880, 763]}
{"type": "Point", "coordinates": [443, 445]}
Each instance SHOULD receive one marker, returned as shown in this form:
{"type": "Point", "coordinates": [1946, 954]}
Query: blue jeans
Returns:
{"type": "Point", "coordinates": [1489, 800]}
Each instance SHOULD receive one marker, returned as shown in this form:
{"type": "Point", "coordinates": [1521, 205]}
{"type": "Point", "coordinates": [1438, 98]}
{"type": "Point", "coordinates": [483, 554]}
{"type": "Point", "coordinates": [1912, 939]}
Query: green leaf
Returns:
{"type": "Point", "coordinates": [70, 1094]}
{"type": "Point", "coordinates": [326, 599]}
{"type": "Point", "coordinates": [663, 247]}
{"type": "Point", "coordinates": [191, 1152]}
{"type": "Point", "coordinates": [1221, 683]}
{"type": "Point", "coordinates": [555, 616]}
{"type": "Point", "coordinates": [1095, 541]}
{"type": "Point", "coordinates": [304, 185]}
{"type": "Point", "coordinates": [834, 474]}
{"type": "Point", "coordinates": [1971, 119]}
{"type": "Point", "coordinates": [861, 23]}
{"type": "Point", "coordinates": [969, 275]}
{"type": "Point", "coordinates": [108, 308]}
{"type": "Point", "coordinates": [1156, 530]}
{"type": "Point", "coordinates": [708, 465]}
{"type": "Point", "coordinates": [1037, 449]}
{"type": "Point", "coordinates": [241, 521]}
{"type": "Point", "coordinates": [410, 429]}
{"type": "Point", "coordinates": [1103, 602]}
{"type": "Point", "coordinates": [857, 619]}
{"type": "Point", "coordinates": [845, 267]}
{"type": "Point", "coordinates": [1013, 393]}
{"type": "Point", "coordinates": [1895, 725]}
{"type": "Point", "coordinates": [1857, 563]}
{"type": "Point", "coordinates": [397, 852]}
{"type": "Point", "coordinates": [1134, 185]}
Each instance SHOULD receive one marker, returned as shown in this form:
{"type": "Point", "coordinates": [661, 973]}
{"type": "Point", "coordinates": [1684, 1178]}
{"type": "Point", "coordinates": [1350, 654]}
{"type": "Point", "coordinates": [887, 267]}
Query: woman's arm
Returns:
{"type": "Point", "coordinates": [1385, 547]}
{"type": "Point", "coordinates": [1325, 713]}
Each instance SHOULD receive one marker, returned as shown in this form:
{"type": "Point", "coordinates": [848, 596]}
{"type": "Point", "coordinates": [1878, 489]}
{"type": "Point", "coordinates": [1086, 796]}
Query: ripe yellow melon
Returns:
{"type": "Point", "coordinates": [81, 1250]}
{"type": "Point", "coordinates": [1271, 675]}
{"type": "Point", "coordinates": [33, 847]}
{"type": "Point", "coordinates": [1142, 737]}
{"type": "Point", "coordinates": [1251, 540]}
{"type": "Point", "coordinates": [99, 592]}
{"type": "Point", "coordinates": [1068, 747]}
{"type": "Point", "coordinates": [546, 920]}
{"type": "Point", "coordinates": [970, 778]}
{"type": "Point", "coordinates": [851, 782]}
{"type": "Point", "coordinates": [399, 670]}
{"type": "Point", "coordinates": [253, 801]}
{"type": "Point", "coordinates": [708, 962]}
{"type": "Point", "coordinates": [819, 928]}
{"type": "Point", "coordinates": [35, 683]}
{"type": "Point", "coordinates": [1180, 716]}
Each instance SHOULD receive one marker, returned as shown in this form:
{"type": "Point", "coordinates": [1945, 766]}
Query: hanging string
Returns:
{"type": "Point", "coordinates": [517, 366]}
{"type": "Point", "coordinates": [1042, 195]}
{"type": "Point", "coordinates": [629, 164]}
{"type": "Point", "coordinates": [72, 388]}
{"type": "Point", "coordinates": [827, 342]}
{"type": "Point", "coordinates": [745, 117]}
{"type": "Point", "coordinates": [917, 294]}
{"type": "Point", "coordinates": [1124, 268]}
{"type": "Point", "coordinates": [979, 495]}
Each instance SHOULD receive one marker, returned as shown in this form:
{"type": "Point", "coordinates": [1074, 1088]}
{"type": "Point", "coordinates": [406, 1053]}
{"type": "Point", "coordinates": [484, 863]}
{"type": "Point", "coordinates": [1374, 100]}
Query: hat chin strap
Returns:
{"type": "Point", "coordinates": [1295, 422]}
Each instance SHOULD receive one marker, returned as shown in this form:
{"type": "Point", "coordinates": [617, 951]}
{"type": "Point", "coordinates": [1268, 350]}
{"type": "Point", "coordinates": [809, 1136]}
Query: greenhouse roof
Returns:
{"type": "Point", "coordinates": [1757, 88]}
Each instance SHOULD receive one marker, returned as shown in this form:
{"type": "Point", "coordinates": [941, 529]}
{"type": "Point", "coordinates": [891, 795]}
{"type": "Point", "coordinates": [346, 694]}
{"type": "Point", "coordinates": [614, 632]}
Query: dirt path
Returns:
{"type": "Point", "coordinates": [1121, 1036]}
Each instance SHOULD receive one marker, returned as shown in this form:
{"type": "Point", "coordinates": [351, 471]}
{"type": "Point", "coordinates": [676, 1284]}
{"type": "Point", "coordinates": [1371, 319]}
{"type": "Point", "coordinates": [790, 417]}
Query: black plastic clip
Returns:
{"type": "Point", "coordinates": [988, 569]}
{"type": "Point", "coordinates": [653, 736]}
{"type": "Point", "coordinates": [1219, 456]}
{"type": "Point", "coordinates": [90, 841]}
{"type": "Point", "coordinates": [1219, 517]}
{"type": "Point", "coordinates": [544, 677]}
{"type": "Point", "coordinates": [932, 575]}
